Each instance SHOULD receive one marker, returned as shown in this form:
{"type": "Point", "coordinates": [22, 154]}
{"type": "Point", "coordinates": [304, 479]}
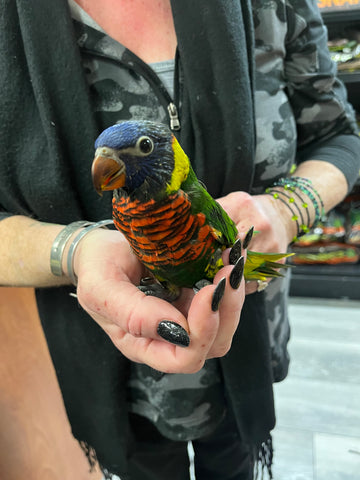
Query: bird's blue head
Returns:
{"type": "Point", "coordinates": [136, 156]}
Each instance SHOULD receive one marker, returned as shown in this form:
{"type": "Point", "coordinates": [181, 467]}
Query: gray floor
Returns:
{"type": "Point", "coordinates": [318, 406]}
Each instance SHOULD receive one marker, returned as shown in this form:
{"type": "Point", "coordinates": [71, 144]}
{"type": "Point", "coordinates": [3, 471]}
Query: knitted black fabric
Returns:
{"type": "Point", "coordinates": [48, 129]}
{"type": "Point", "coordinates": [216, 55]}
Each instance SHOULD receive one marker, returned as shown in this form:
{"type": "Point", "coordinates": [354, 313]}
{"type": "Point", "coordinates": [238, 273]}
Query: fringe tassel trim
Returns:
{"type": "Point", "coordinates": [93, 461]}
{"type": "Point", "coordinates": [263, 458]}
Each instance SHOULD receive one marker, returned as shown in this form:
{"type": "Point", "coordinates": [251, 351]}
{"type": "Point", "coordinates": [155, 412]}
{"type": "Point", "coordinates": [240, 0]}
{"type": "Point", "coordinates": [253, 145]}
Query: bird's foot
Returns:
{"type": "Point", "coordinates": [150, 286]}
{"type": "Point", "coordinates": [218, 292]}
{"type": "Point", "coordinates": [201, 284]}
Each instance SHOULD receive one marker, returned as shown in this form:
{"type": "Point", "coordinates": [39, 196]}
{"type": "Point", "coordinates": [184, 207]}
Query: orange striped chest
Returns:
{"type": "Point", "coordinates": [165, 234]}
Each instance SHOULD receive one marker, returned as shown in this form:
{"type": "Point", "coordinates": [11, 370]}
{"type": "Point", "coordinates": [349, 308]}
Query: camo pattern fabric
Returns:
{"type": "Point", "coordinates": [297, 101]}
{"type": "Point", "coordinates": [297, 89]}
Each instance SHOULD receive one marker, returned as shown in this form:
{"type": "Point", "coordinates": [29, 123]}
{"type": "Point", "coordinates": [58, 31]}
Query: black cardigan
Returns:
{"type": "Point", "coordinates": [47, 135]}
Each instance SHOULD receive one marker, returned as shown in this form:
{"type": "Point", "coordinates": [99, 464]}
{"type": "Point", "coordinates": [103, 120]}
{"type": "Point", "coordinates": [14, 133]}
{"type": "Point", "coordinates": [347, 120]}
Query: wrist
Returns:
{"type": "Point", "coordinates": [299, 201]}
{"type": "Point", "coordinates": [59, 246]}
{"type": "Point", "coordinates": [74, 245]}
{"type": "Point", "coordinates": [64, 266]}
{"type": "Point", "coordinates": [65, 245]}
{"type": "Point", "coordinates": [286, 217]}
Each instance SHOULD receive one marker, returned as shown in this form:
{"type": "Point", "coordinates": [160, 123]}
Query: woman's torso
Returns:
{"type": "Point", "coordinates": [132, 96]}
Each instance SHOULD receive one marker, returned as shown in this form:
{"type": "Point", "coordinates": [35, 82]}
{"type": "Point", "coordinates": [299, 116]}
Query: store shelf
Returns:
{"type": "Point", "coordinates": [350, 77]}
{"type": "Point", "coordinates": [326, 281]}
{"type": "Point", "coordinates": [332, 13]}
{"type": "Point", "coordinates": [353, 89]}
{"type": "Point", "coordinates": [341, 280]}
{"type": "Point", "coordinates": [331, 17]}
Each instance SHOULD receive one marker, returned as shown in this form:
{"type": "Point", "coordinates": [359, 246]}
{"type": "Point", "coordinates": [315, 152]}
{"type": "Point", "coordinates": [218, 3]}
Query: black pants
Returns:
{"type": "Point", "coordinates": [219, 456]}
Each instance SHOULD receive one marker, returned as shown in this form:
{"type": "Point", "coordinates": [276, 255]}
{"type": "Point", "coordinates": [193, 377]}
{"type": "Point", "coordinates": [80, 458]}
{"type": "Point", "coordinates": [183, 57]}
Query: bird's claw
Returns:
{"type": "Point", "coordinates": [151, 287]}
{"type": "Point", "coordinates": [201, 284]}
{"type": "Point", "coordinates": [218, 292]}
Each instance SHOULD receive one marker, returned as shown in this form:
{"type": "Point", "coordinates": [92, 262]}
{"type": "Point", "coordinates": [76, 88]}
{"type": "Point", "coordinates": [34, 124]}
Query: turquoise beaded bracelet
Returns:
{"type": "Point", "coordinates": [305, 186]}
{"type": "Point", "coordinates": [284, 189]}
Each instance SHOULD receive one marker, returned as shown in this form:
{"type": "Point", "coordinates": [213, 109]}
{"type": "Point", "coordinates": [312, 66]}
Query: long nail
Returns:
{"type": "Point", "coordinates": [248, 237]}
{"type": "Point", "coordinates": [173, 333]}
{"type": "Point", "coordinates": [235, 252]}
{"type": "Point", "coordinates": [218, 294]}
{"type": "Point", "coordinates": [237, 273]}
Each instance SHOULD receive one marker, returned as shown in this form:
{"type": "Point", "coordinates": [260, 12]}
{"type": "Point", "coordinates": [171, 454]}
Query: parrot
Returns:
{"type": "Point", "coordinates": [176, 229]}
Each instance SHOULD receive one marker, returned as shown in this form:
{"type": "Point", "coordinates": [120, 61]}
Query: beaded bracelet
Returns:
{"type": "Point", "coordinates": [301, 228]}
{"type": "Point", "coordinates": [305, 186]}
{"type": "Point", "coordinates": [304, 182]}
{"type": "Point", "coordinates": [276, 195]}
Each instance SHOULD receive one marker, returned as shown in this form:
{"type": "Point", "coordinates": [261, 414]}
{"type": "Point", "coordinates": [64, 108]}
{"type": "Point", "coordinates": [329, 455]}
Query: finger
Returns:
{"type": "Point", "coordinates": [229, 309]}
{"type": "Point", "coordinates": [256, 286]}
{"type": "Point", "coordinates": [203, 324]}
{"type": "Point", "coordinates": [251, 287]}
{"type": "Point", "coordinates": [235, 252]}
{"type": "Point", "coordinates": [248, 237]}
{"type": "Point", "coordinates": [121, 308]}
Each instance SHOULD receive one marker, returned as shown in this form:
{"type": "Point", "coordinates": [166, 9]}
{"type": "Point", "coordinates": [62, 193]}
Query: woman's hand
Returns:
{"type": "Point", "coordinates": [270, 218]}
{"type": "Point", "coordinates": [108, 273]}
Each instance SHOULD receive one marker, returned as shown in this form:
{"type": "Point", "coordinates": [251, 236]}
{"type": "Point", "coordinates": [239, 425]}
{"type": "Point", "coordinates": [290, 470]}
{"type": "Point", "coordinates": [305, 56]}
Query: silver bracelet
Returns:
{"type": "Point", "coordinates": [58, 247]}
{"type": "Point", "coordinates": [75, 243]}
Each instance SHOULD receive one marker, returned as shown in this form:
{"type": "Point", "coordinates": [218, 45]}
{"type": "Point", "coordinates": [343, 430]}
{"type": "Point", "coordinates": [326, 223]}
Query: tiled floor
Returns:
{"type": "Point", "coordinates": [318, 406]}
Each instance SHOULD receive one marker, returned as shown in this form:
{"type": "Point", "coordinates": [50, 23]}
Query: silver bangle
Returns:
{"type": "Point", "coordinates": [58, 247]}
{"type": "Point", "coordinates": [75, 243]}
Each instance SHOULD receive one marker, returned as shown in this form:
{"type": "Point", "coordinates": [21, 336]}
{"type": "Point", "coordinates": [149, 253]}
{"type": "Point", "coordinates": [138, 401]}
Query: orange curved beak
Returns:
{"type": "Point", "coordinates": [107, 173]}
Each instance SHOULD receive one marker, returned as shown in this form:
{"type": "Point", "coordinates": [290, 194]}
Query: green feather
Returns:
{"type": "Point", "coordinates": [203, 202]}
{"type": "Point", "coordinates": [258, 266]}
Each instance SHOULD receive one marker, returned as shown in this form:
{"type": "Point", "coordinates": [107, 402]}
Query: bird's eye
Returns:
{"type": "Point", "coordinates": [145, 145]}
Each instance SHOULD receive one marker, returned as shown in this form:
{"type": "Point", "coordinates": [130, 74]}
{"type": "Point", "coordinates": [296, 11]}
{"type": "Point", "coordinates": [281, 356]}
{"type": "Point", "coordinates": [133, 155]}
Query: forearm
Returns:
{"type": "Point", "coordinates": [25, 252]}
{"type": "Point", "coordinates": [327, 180]}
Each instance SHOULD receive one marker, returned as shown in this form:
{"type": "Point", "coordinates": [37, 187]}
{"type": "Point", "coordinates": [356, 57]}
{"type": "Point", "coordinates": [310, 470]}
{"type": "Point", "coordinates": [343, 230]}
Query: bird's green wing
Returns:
{"type": "Point", "coordinates": [202, 202]}
{"type": "Point", "coordinates": [258, 266]}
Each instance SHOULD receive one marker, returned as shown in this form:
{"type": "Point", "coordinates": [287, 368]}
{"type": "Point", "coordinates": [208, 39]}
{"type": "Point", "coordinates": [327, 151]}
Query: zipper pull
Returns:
{"type": "Point", "coordinates": [174, 117]}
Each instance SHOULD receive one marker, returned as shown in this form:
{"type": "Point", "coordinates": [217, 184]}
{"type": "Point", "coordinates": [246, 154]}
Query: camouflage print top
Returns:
{"type": "Point", "coordinates": [296, 100]}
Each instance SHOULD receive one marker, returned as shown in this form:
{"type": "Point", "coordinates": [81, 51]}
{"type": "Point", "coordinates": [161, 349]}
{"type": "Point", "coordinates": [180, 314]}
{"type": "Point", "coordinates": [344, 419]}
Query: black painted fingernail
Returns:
{"type": "Point", "coordinates": [237, 273]}
{"type": "Point", "coordinates": [218, 295]}
{"type": "Point", "coordinates": [235, 252]}
{"type": "Point", "coordinates": [248, 237]}
{"type": "Point", "coordinates": [173, 333]}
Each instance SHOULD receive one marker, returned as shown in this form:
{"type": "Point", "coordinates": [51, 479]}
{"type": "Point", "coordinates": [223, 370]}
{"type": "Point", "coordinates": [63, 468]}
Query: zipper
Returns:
{"type": "Point", "coordinates": [133, 62]}
{"type": "Point", "coordinates": [172, 108]}
{"type": "Point", "coordinates": [174, 117]}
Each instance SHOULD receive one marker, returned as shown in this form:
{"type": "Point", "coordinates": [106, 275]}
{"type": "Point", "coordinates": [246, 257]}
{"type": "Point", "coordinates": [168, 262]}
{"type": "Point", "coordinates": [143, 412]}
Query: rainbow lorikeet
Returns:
{"type": "Point", "coordinates": [176, 229]}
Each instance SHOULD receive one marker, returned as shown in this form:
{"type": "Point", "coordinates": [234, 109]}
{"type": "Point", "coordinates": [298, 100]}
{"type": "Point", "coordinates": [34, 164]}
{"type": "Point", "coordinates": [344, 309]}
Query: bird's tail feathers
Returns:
{"type": "Point", "coordinates": [261, 266]}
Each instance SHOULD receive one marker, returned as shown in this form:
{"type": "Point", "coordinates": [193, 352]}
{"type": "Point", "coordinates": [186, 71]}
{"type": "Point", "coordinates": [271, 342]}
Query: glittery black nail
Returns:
{"type": "Point", "coordinates": [218, 295]}
{"type": "Point", "coordinates": [173, 333]}
{"type": "Point", "coordinates": [235, 252]}
{"type": "Point", "coordinates": [237, 273]}
{"type": "Point", "coordinates": [248, 237]}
